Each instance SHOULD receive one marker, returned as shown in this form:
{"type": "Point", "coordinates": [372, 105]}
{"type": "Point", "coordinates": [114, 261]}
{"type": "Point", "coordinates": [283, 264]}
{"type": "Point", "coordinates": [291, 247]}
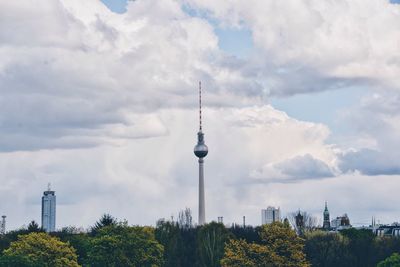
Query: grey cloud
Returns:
{"type": "Point", "coordinates": [369, 162]}
{"type": "Point", "coordinates": [292, 170]}
{"type": "Point", "coordinates": [291, 80]}
{"type": "Point", "coordinates": [304, 167]}
{"type": "Point", "coordinates": [376, 119]}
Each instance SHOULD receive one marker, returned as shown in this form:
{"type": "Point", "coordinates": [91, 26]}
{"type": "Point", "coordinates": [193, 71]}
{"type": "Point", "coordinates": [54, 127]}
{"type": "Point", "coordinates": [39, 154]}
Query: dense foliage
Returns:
{"type": "Point", "coordinates": [352, 247]}
{"type": "Point", "coordinates": [39, 249]}
{"type": "Point", "coordinates": [239, 253]}
{"type": "Point", "coordinates": [280, 246]}
{"type": "Point", "coordinates": [392, 261]}
{"type": "Point", "coordinates": [121, 245]}
{"type": "Point", "coordinates": [110, 242]}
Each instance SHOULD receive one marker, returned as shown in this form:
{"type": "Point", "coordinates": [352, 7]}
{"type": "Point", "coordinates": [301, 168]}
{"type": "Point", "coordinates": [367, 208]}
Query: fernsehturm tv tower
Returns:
{"type": "Point", "coordinates": [201, 150]}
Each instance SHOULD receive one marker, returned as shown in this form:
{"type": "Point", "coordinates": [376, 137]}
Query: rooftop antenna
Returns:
{"type": "Point", "coordinates": [200, 105]}
{"type": "Point", "coordinates": [49, 187]}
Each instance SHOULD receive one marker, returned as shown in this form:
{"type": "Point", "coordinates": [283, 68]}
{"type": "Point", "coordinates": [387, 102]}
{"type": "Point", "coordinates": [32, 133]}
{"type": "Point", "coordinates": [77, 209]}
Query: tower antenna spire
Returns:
{"type": "Point", "coordinates": [200, 106]}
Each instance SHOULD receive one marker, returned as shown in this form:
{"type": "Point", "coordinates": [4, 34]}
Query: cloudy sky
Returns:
{"type": "Point", "coordinates": [301, 106]}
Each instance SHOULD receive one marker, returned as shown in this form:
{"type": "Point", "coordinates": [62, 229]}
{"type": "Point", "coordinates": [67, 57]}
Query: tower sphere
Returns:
{"type": "Point", "coordinates": [201, 150]}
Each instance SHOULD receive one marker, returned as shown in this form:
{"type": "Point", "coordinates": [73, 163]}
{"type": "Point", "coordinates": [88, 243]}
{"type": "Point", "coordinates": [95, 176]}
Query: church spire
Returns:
{"type": "Point", "coordinates": [327, 223]}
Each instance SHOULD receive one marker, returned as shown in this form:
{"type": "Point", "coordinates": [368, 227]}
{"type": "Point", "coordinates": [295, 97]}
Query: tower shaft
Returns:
{"type": "Point", "coordinates": [202, 205]}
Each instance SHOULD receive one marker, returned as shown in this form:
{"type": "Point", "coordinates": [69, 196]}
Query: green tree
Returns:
{"type": "Point", "coordinates": [105, 220]}
{"type": "Point", "coordinates": [248, 233]}
{"type": "Point", "coordinates": [169, 235]}
{"type": "Point", "coordinates": [16, 260]}
{"type": "Point", "coordinates": [384, 246]}
{"type": "Point", "coordinates": [34, 227]}
{"type": "Point", "coordinates": [40, 248]}
{"type": "Point", "coordinates": [77, 238]}
{"type": "Point", "coordinates": [122, 245]}
{"type": "Point", "coordinates": [392, 261]}
{"type": "Point", "coordinates": [361, 246]}
{"type": "Point", "coordinates": [211, 240]}
{"type": "Point", "coordinates": [327, 249]}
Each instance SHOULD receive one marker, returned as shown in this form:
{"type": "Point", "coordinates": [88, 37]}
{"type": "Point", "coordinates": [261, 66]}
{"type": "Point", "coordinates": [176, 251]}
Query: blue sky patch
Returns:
{"type": "Point", "coordinates": [117, 6]}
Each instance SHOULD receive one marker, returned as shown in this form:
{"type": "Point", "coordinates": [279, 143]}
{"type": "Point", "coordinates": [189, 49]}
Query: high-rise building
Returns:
{"type": "Point", "coordinates": [49, 210]}
{"type": "Point", "coordinates": [327, 224]}
{"type": "Point", "coordinates": [270, 215]}
{"type": "Point", "coordinates": [3, 225]}
{"type": "Point", "coordinates": [201, 150]}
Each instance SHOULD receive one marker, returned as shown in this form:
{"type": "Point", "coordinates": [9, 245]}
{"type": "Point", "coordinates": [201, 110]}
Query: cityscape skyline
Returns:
{"type": "Point", "coordinates": [268, 216]}
{"type": "Point", "coordinates": [301, 107]}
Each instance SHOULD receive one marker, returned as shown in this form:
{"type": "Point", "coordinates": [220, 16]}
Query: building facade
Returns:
{"type": "Point", "coordinates": [49, 211]}
{"type": "Point", "coordinates": [270, 215]}
{"type": "Point", "coordinates": [341, 222]}
{"type": "Point", "coordinates": [388, 230]}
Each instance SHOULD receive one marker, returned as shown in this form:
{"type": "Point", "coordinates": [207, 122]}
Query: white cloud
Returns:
{"type": "Point", "coordinates": [320, 45]}
{"type": "Point", "coordinates": [120, 90]}
{"type": "Point", "coordinates": [145, 179]}
{"type": "Point", "coordinates": [77, 69]}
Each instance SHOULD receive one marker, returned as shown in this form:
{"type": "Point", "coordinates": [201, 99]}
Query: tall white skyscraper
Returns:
{"type": "Point", "coordinates": [270, 215]}
{"type": "Point", "coordinates": [49, 210]}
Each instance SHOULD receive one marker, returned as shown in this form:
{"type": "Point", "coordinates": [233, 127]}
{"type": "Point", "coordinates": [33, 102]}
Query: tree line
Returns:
{"type": "Point", "coordinates": [110, 242]}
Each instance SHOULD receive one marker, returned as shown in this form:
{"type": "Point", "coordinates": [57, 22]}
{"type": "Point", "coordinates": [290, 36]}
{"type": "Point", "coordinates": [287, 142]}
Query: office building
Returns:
{"type": "Point", "coordinates": [270, 215]}
{"type": "Point", "coordinates": [49, 210]}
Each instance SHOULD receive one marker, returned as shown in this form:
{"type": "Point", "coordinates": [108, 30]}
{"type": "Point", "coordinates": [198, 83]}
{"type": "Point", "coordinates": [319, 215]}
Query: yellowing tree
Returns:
{"type": "Point", "coordinates": [239, 253]}
{"type": "Point", "coordinates": [285, 243]}
{"type": "Point", "coordinates": [40, 249]}
{"type": "Point", "coordinates": [280, 247]}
